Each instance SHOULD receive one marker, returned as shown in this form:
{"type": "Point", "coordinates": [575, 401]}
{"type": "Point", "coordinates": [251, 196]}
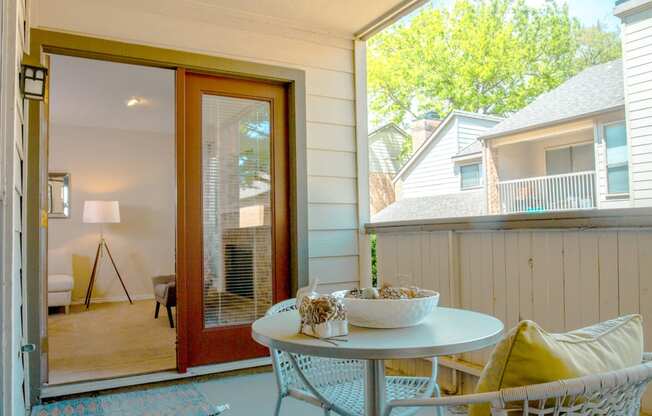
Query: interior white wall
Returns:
{"type": "Point", "coordinates": [135, 168]}
{"type": "Point", "coordinates": [331, 116]}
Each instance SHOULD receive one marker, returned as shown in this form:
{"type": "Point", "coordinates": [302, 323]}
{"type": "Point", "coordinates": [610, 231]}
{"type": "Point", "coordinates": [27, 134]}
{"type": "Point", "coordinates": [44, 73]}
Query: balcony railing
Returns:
{"type": "Point", "coordinates": [569, 191]}
{"type": "Point", "coordinates": [564, 270]}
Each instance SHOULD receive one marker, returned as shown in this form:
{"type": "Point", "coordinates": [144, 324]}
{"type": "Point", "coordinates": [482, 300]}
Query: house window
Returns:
{"type": "Point", "coordinates": [576, 158]}
{"type": "Point", "coordinates": [615, 137]}
{"type": "Point", "coordinates": [470, 175]}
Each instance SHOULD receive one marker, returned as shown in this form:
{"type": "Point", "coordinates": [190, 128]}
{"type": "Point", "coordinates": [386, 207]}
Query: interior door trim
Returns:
{"type": "Point", "coordinates": [181, 252]}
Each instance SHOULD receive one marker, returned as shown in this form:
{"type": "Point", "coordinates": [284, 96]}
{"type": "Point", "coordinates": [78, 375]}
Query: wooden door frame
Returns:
{"type": "Point", "coordinates": [45, 41]}
{"type": "Point", "coordinates": [189, 260]}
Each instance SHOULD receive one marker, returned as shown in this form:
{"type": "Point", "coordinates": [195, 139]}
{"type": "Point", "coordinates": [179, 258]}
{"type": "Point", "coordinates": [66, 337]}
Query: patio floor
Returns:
{"type": "Point", "coordinates": [249, 394]}
{"type": "Point", "coordinates": [255, 394]}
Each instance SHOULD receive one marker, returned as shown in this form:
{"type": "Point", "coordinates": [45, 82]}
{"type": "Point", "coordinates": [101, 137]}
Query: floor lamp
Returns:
{"type": "Point", "coordinates": [102, 212]}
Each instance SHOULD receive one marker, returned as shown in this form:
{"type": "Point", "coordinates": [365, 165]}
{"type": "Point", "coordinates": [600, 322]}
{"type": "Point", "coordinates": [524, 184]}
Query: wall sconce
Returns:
{"type": "Point", "coordinates": [32, 82]}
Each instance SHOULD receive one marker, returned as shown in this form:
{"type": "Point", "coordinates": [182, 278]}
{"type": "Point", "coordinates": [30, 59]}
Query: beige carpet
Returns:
{"type": "Point", "coordinates": [109, 340]}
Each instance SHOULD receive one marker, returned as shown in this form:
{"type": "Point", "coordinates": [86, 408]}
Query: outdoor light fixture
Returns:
{"type": "Point", "coordinates": [32, 82]}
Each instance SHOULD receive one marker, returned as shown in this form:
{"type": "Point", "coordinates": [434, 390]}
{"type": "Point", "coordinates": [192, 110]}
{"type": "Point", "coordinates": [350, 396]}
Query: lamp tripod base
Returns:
{"type": "Point", "coordinates": [101, 247]}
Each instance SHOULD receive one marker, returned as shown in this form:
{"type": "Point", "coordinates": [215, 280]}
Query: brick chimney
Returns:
{"type": "Point", "coordinates": [422, 128]}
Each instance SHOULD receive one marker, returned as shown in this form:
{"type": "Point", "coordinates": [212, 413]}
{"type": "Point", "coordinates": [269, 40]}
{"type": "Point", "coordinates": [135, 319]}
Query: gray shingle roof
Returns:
{"type": "Point", "coordinates": [473, 148]}
{"type": "Point", "coordinates": [461, 204]}
{"type": "Point", "coordinates": [594, 90]}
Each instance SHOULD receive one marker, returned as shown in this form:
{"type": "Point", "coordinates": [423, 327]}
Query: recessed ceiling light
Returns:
{"type": "Point", "coordinates": [134, 101]}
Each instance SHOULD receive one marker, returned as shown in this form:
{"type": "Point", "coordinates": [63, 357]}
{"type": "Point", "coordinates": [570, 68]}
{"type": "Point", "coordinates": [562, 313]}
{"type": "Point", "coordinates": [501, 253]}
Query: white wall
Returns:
{"type": "Point", "coordinates": [135, 168]}
{"type": "Point", "coordinates": [329, 66]}
{"type": "Point", "coordinates": [384, 150]}
{"type": "Point", "coordinates": [434, 172]}
{"type": "Point", "coordinates": [513, 161]}
{"type": "Point", "coordinates": [637, 62]}
{"type": "Point", "coordinates": [470, 128]}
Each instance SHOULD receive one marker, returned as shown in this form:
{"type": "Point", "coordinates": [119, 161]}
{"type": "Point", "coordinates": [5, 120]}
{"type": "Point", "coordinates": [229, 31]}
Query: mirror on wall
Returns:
{"type": "Point", "coordinates": [59, 195]}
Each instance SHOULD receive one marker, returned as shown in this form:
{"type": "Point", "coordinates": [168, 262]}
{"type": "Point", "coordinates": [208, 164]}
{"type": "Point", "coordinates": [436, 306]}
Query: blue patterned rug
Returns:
{"type": "Point", "coordinates": [176, 400]}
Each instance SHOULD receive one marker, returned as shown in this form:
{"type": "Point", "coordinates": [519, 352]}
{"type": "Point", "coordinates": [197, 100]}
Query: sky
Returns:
{"type": "Point", "coordinates": [589, 12]}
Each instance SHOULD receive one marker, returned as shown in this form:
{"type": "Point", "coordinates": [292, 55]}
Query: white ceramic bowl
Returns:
{"type": "Point", "coordinates": [388, 313]}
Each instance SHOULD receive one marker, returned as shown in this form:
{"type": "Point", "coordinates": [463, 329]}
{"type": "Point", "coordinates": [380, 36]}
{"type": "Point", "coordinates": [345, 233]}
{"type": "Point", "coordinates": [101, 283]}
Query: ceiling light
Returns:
{"type": "Point", "coordinates": [134, 101]}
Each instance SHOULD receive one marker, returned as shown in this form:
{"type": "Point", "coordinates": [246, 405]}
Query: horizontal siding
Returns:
{"type": "Point", "coordinates": [334, 287]}
{"type": "Point", "coordinates": [470, 128]}
{"type": "Point", "coordinates": [327, 190]}
{"type": "Point", "coordinates": [385, 148]}
{"type": "Point", "coordinates": [329, 83]}
{"type": "Point", "coordinates": [335, 269]}
{"type": "Point", "coordinates": [637, 45]}
{"type": "Point", "coordinates": [433, 173]}
{"type": "Point", "coordinates": [330, 110]}
{"type": "Point", "coordinates": [640, 104]}
{"type": "Point", "coordinates": [173, 28]}
{"type": "Point", "coordinates": [330, 216]}
{"type": "Point", "coordinates": [333, 243]}
{"type": "Point", "coordinates": [329, 68]}
{"type": "Point", "coordinates": [331, 163]}
{"type": "Point", "coordinates": [323, 136]}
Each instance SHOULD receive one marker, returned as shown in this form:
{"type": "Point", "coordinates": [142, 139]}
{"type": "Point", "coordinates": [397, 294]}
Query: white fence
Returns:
{"type": "Point", "coordinates": [569, 191]}
{"type": "Point", "coordinates": [561, 278]}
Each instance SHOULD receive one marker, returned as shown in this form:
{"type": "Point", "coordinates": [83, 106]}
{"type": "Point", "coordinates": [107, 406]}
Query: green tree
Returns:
{"type": "Point", "coordinates": [596, 46]}
{"type": "Point", "coordinates": [487, 56]}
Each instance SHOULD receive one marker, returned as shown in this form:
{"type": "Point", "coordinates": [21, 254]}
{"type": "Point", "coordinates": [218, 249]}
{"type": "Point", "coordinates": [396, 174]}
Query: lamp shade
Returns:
{"type": "Point", "coordinates": [101, 212]}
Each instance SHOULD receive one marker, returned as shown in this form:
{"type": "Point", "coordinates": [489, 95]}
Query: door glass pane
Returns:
{"type": "Point", "coordinates": [558, 161]}
{"type": "Point", "coordinates": [583, 157]}
{"type": "Point", "coordinates": [236, 185]}
{"type": "Point", "coordinates": [470, 175]}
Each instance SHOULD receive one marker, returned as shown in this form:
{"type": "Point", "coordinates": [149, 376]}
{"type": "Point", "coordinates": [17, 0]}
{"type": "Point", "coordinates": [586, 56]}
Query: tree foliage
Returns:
{"type": "Point", "coordinates": [596, 46]}
{"type": "Point", "coordinates": [487, 56]}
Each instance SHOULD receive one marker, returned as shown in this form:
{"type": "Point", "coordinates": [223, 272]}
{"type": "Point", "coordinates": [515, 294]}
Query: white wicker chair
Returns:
{"type": "Point", "coordinates": [338, 385]}
{"type": "Point", "coordinates": [616, 393]}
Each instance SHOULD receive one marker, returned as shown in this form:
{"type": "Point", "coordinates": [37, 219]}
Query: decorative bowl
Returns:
{"type": "Point", "coordinates": [388, 313]}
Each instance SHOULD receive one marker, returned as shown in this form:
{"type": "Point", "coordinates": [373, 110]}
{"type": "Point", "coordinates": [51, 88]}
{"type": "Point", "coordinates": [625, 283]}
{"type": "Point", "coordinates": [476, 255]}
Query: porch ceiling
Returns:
{"type": "Point", "coordinates": [348, 18]}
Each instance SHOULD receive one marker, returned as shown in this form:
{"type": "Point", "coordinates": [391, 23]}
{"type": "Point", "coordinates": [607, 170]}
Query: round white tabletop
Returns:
{"type": "Point", "coordinates": [446, 331]}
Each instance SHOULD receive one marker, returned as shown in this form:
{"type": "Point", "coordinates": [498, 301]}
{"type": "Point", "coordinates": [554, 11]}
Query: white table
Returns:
{"type": "Point", "coordinates": [446, 331]}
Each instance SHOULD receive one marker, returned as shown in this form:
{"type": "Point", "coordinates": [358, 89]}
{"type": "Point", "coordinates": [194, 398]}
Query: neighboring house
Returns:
{"type": "Point", "coordinates": [385, 145]}
{"type": "Point", "coordinates": [443, 178]}
{"type": "Point", "coordinates": [573, 149]}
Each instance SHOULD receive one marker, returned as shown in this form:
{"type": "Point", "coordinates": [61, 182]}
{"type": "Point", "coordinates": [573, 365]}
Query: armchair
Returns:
{"type": "Point", "coordinates": [165, 293]}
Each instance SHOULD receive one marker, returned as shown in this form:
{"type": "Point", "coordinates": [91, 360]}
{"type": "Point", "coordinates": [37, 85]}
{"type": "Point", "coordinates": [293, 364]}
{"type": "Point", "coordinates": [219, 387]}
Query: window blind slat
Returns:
{"type": "Point", "coordinates": [236, 210]}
